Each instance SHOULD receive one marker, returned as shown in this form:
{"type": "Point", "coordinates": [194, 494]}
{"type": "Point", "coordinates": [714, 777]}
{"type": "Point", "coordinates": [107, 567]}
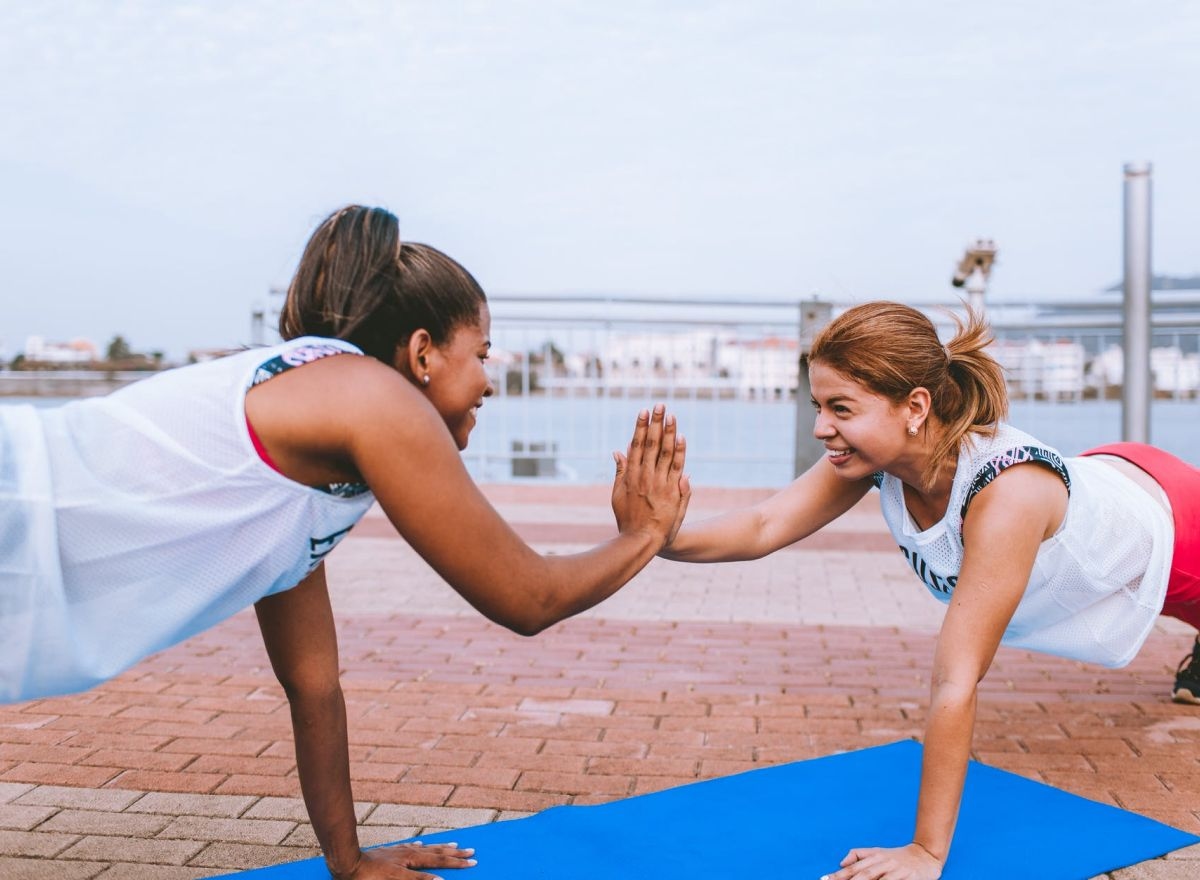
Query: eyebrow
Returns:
{"type": "Point", "coordinates": [837, 398]}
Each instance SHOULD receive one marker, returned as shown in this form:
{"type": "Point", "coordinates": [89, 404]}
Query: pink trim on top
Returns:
{"type": "Point", "coordinates": [260, 449]}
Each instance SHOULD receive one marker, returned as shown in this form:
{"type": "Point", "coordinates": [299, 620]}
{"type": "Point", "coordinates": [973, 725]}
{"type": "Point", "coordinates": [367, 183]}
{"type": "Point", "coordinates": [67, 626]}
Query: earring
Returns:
{"type": "Point", "coordinates": [425, 381]}
{"type": "Point", "coordinates": [912, 430]}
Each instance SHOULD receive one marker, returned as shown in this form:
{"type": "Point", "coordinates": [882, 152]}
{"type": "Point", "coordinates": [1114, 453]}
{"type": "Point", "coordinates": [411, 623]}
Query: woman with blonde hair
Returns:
{"type": "Point", "coordinates": [1075, 557]}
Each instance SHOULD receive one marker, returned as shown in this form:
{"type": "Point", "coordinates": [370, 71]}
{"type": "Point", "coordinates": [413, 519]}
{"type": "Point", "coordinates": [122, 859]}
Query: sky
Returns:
{"type": "Point", "coordinates": [162, 163]}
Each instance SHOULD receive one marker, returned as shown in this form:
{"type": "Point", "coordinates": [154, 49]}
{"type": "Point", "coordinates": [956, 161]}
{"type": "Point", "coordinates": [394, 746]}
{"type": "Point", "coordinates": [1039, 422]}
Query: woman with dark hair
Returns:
{"type": "Point", "coordinates": [134, 521]}
{"type": "Point", "coordinates": [1075, 557]}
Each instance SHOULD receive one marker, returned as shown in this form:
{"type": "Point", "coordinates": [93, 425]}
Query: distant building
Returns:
{"type": "Point", "coordinates": [686, 358]}
{"type": "Point", "coordinates": [1054, 370]}
{"type": "Point", "coordinates": [1175, 373]}
{"type": "Point", "coordinates": [768, 367]}
{"type": "Point", "coordinates": [77, 351]}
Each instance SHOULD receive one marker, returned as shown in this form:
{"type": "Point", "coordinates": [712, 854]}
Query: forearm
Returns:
{"type": "Point", "coordinates": [576, 582]}
{"type": "Point", "coordinates": [944, 767]}
{"type": "Point", "coordinates": [730, 537]}
{"type": "Point", "coordinates": [323, 763]}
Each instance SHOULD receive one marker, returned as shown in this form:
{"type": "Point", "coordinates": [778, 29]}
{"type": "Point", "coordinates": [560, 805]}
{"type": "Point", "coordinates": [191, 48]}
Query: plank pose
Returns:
{"type": "Point", "coordinates": [131, 522]}
{"type": "Point", "coordinates": [1075, 557]}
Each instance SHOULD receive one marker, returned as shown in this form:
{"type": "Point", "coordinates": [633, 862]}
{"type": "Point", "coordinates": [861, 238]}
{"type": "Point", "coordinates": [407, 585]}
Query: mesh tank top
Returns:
{"type": "Point", "coordinates": [133, 521]}
{"type": "Point", "coordinates": [1097, 584]}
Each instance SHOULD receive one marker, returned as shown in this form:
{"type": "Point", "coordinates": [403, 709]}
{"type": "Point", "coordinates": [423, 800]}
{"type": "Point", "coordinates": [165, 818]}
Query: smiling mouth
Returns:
{"type": "Point", "coordinates": [838, 455]}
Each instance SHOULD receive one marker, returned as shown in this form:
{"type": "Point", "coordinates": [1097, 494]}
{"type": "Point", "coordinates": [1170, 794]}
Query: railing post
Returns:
{"type": "Point", "coordinates": [814, 315]}
{"type": "Point", "coordinates": [1137, 383]}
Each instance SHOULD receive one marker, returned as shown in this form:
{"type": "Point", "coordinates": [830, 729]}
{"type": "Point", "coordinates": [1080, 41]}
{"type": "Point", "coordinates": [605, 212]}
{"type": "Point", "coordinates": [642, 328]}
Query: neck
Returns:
{"type": "Point", "coordinates": [913, 468]}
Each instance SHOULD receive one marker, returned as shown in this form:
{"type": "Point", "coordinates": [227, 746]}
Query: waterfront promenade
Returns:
{"type": "Point", "coordinates": [183, 767]}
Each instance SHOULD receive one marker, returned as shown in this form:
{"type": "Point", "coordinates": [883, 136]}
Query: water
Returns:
{"type": "Point", "coordinates": [742, 443]}
{"type": "Point", "coordinates": [41, 402]}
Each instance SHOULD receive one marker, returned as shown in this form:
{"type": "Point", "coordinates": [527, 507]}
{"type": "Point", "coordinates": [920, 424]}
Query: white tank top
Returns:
{"type": "Point", "coordinates": [130, 522]}
{"type": "Point", "coordinates": [1097, 584]}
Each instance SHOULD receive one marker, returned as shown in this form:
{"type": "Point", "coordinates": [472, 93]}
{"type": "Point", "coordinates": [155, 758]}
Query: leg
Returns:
{"type": "Point", "coordinates": [1187, 676]}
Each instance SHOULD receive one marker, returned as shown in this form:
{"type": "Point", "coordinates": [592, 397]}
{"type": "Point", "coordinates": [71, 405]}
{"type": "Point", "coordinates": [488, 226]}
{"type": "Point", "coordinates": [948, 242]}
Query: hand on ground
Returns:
{"type": "Point", "coordinates": [911, 862]}
{"type": "Point", "coordinates": [406, 861]}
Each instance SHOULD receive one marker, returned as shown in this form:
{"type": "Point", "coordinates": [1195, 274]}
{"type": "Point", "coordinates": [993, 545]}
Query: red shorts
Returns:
{"type": "Point", "coordinates": [1181, 483]}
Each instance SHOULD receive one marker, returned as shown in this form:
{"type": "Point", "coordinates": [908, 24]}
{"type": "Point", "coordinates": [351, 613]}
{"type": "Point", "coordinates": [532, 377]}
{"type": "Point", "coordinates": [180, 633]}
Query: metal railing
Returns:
{"type": "Point", "coordinates": [571, 374]}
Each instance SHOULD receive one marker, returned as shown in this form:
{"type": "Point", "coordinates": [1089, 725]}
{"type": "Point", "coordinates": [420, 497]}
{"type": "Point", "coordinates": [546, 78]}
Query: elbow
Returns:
{"type": "Point", "coordinates": [953, 693]}
{"type": "Point", "coordinates": [528, 628]}
{"type": "Point", "coordinates": [533, 617]}
{"type": "Point", "coordinates": [537, 604]}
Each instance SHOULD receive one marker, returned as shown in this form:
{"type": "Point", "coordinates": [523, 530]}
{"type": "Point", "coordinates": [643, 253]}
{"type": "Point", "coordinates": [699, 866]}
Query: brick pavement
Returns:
{"type": "Point", "coordinates": [183, 767]}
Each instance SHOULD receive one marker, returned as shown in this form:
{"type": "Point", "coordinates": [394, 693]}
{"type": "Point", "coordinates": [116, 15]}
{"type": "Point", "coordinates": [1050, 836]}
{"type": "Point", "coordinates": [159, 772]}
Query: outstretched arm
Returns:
{"type": "Point", "coordinates": [298, 632]}
{"type": "Point", "coordinates": [402, 449]}
{"type": "Point", "coordinates": [814, 499]}
{"type": "Point", "coordinates": [1007, 522]}
{"type": "Point", "coordinates": [350, 418]}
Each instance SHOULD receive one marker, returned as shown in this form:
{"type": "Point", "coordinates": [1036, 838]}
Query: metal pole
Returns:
{"type": "Point", "coordinates": [809, 450]}
{"type": "Point", "coordinates": [976, 288]}
{"type": "Point", "coordinates": [1137, 381]}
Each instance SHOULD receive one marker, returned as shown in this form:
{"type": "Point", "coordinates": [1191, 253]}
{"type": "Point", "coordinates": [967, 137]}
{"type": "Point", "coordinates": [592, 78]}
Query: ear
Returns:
{"type": "Point", "coordinates": [919, 406]}
{"type": "Point", "coordinates": [412, 358]}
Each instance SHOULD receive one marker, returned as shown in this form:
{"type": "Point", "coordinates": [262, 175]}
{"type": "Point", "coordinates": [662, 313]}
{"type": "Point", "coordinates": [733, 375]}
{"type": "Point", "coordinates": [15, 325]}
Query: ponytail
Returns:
{"type": "Point", "coordinates": [357, 282]}
{"type": "Point", "coordinates": [975, 397]}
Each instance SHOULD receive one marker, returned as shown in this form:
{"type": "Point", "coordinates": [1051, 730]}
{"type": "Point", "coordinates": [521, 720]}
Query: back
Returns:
{"type": "Point", "coordinates": [155, 519]}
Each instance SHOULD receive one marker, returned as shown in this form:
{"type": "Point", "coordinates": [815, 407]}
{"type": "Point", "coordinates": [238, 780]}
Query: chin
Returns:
{"type": "Point", "coordinates": [853, 475]}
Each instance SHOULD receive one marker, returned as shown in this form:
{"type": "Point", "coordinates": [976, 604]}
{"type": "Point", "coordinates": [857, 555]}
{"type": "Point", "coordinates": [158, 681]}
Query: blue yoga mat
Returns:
{"type": "Point", "coordinates": [797, 820]}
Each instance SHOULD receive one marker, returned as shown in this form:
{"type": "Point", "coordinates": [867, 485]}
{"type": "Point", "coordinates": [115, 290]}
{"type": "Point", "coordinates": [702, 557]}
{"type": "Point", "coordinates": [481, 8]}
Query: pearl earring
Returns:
{"type": "Point", "coordinates": [912, 430]}
{"type": "Point", "coordinates": [425, 381]}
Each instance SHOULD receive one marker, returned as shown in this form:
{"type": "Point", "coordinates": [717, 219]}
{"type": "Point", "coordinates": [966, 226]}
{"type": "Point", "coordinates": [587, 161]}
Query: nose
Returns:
{"type": "Point", "coordinates": [490, 389]}
{"type": "Point", "coordinates": [823, 427]}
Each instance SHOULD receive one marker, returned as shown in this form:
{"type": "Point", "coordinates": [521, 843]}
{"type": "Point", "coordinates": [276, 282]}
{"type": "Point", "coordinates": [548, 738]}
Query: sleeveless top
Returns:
{"type": "Point", "coordinates": [130, 522]}
{"type": "Point", "coordinates": [1097, 584]}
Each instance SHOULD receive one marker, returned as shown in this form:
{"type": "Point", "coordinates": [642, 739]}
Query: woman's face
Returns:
{"type": "Point", "coordinates": [862, 431]}
{"type": "Point", "coordinates": [458, 382]}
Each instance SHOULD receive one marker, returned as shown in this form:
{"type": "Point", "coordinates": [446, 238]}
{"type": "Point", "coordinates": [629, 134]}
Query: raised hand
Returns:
{"type": "Point", "coordinates": [398, 862]}
{"type": "Point", "coordinates": [650, 490]}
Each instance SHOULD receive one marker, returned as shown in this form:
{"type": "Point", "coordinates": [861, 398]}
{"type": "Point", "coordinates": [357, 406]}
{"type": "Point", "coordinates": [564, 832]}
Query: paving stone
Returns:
{"type": "Point", "coordinates": [261, 831]}
{"type": "Point", "coordinates": [31, 843]}
{"type": "Point", "coordinates": [155, 872]}
{"type": "Point", "coordinates": [133, 849]}
{"type": "Point", "coordinates": [12, 790]}
{"type": "Point", "coordinates": [79, 798]}
{"type": "Point", "coordinates": [420, 817]}
{"type": "Point", "coordinates": [22, 818]}
{"type": "Point", "coordinates": [99, 822]}
{"type": "Point", "coordinates": [212, 805]}
{"type": "Point", "coordinates": [242, 857]}
{"type": "Point", "coordinates": [293, 809]}
{"type": "Point", "coordinates": [16, 868]}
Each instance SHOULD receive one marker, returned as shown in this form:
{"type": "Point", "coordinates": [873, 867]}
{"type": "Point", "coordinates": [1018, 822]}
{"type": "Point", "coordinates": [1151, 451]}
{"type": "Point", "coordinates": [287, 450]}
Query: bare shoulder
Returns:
{"type": "Point", "coordinates": [325, 408]}
{"type": "Point", "coordinates": [344, 380]}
